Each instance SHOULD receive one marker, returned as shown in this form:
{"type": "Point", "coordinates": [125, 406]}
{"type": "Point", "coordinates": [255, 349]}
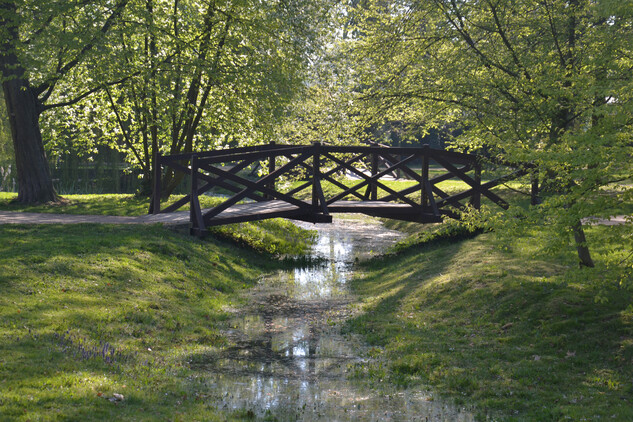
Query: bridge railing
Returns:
{"type": "Point", "coordinates": [358, 179]}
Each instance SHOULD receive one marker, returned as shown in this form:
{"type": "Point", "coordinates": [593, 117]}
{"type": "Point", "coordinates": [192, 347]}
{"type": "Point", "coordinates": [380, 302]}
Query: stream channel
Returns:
{"type": "Point", "coordinates": [287, 359]}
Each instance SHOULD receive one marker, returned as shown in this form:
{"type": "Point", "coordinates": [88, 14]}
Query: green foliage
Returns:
{"type": "Point", "coordinates": [277, 237]}
{"type": "Point", "coordinates": [526, 81]}
{"type": "Point", "coordinates": [192, 76]}
{"type": "Point", "coordinates": [322, 112]}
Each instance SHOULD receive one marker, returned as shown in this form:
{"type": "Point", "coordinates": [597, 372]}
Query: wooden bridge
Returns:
{"type": "Point", "coordinates": [370, 192]}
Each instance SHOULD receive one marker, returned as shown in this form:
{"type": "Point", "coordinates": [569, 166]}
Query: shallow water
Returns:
{"type": "Point", "coordinates": [287, 358]}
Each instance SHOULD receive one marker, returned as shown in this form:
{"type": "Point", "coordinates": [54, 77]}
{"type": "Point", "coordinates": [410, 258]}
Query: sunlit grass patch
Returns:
{"type": "Point", "coordinates": [90, 311]}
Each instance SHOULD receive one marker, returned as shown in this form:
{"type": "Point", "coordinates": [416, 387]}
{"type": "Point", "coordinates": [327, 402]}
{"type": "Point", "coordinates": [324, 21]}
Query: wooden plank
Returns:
{"type": "Point", "coordinates": [237, 150]}
{"type": "Point", "coordinates": [254, 156]}
{"type": "Point", "coordinates": [228, 186]}
{"type": "Point", "coordinates": [197, 222]}
{"type": "Point", "coordinates": [431, 198]}
{"type": "Point", "coordinates": [446, 198]}
{"type": "Point", "coordinates": [449, 175]}
{"type": "Point", "coordinates": [318, 207]}
{"type": "Point", "coordinates": [211, 182]}
{"type": "Point", "coordinates": [262, 184]}
{"type": "Point", "coordinates": [457, 157]}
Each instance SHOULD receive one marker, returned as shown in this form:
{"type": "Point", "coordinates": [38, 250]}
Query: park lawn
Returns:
{"type": "Point", "coordinates": [491, 324]}
{"type": "Point", "coordinates": [87, 311]}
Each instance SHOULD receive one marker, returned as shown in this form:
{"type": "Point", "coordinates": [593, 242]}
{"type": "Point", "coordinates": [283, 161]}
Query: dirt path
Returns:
{"type": "Point", "coordinates": [613, 221]}
{"type": "Point", "coordinates": [13, 217]}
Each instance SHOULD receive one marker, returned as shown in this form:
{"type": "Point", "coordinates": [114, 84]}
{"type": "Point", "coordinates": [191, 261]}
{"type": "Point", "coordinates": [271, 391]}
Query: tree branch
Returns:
{"type": "Point", "coordinates": [118, 9]}
{"type": "Point", "coordinates": [461, 30]}
{"type": "Point", "coordinates": [506, 42]}
{"type": "Point", "coordinates": [87, 93]}
{"type": "Point", "coordinates": [126, 136]}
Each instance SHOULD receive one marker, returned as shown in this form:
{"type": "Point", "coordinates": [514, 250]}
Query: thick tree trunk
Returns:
{"type": "Point", "coordinates": [34, 179]}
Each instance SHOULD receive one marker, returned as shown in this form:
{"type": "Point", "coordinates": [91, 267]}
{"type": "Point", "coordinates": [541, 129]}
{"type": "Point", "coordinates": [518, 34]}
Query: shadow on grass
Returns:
{"type": "Point", "coordinates": [147, 291]}
{"type": "Point", "coordinates": [510, 335]}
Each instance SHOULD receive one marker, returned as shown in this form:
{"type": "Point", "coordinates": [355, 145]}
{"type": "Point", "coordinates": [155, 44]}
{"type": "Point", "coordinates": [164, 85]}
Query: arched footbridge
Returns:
{"type": "Point", "coordinates": [327, 180]}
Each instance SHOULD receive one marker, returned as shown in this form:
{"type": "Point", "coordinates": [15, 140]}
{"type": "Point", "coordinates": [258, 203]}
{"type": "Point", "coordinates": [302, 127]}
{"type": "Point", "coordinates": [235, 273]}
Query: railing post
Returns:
{"type": "Point", "coordinates": [193, 194]}
{"type": "Point", "coordinates": [373, 196]}
{"type": "Point", "coordinates": [316, 173]}
{"type": "Point", "coordinates": [475, 200]}
{"type": "Point", "coordinates": [195, 213]}
{"type": "Point", "coordinates": [271, 169]}
{"type": "Point", "coordinates": [535, 198]}
{"type": "Point", "coordinates": [154, 206]}
{"type": "Point", "coordinates": [424, 195]}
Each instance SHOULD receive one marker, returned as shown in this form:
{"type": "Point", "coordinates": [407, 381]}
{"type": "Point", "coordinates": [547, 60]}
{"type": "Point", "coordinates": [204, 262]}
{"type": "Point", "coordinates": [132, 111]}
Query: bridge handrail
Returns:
{"type": "Point", "coordinates": [206, 171]}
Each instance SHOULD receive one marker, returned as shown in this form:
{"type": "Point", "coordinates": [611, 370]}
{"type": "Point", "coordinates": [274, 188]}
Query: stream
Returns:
{"type": "Point", "coordinates": [287, 359]}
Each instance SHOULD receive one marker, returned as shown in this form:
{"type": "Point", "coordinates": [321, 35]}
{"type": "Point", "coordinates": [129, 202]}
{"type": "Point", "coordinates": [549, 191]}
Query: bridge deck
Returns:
{"type": "Point", "coordinates": [270, 209]}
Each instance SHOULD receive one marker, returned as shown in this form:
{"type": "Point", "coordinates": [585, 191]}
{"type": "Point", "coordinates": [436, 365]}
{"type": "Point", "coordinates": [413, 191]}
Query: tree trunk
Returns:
{"type": "Point", "coordinates": [584, 257]}
{"type": "Point", "coordinates": [34, 178]}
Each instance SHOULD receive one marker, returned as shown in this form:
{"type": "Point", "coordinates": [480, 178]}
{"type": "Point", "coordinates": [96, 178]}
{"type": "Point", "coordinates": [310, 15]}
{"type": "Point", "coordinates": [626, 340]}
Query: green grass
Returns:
{"type": "Point", "coordinates": [486, 323]}
{"type": "Point", "coordinates": [153, 294]}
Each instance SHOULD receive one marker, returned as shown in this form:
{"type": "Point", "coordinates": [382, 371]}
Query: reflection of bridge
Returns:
{"type": "Point", "coordinates": [423, 200]}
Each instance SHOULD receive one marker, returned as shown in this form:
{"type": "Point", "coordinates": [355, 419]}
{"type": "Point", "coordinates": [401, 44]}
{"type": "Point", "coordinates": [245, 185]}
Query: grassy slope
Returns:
{"type": "Point", "coordinates": [154, 295]}
{"type": "Point", "coordinates": [522, 339]}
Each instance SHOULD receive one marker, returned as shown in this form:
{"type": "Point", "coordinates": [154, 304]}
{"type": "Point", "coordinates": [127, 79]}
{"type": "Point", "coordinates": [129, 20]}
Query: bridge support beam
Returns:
{"type": "Point", "coordinates": [475, 200]}
{"type": "Point", "coordinates": [424, 194]}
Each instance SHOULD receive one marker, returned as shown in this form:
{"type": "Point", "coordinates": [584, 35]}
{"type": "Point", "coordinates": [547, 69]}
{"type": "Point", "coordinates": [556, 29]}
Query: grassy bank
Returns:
{"type": "Point", "coordinates": [91, 312]}
{"type": "Point", "coordinates": [491, 325]}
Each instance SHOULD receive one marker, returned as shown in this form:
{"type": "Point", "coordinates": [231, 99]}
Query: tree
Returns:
{"type": "Point", "coordinates": [541, 81]}
{"type": "Point", "coordinates": [44, 43]}
{"type": "Point", "coordinates": [206, 74]}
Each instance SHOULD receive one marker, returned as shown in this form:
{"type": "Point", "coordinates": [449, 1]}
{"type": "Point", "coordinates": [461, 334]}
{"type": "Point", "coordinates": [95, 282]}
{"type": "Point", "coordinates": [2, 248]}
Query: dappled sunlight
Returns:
{"type": "Point", "coordinates": [141, 292]}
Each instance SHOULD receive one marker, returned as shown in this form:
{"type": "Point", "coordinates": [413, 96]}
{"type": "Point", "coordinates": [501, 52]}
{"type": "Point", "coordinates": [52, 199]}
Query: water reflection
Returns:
{"type": "Point", "coordinates": [287, 357]}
